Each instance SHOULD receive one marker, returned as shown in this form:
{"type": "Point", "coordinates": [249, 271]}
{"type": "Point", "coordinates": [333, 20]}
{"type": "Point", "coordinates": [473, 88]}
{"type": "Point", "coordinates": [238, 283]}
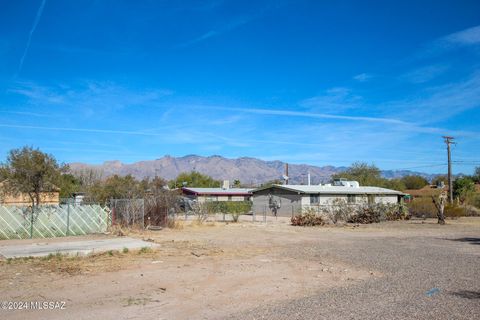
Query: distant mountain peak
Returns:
{"type": "Point", "coordinates": [250, 171]}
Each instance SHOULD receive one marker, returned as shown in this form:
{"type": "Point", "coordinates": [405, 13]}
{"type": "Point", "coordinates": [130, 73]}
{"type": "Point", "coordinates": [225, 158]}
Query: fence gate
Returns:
{"type": "Point", "coordinates": [156, 212]}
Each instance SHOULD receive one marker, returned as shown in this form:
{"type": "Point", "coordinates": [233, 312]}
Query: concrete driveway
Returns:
{"type": "Point", "coordinates": [70, 246]}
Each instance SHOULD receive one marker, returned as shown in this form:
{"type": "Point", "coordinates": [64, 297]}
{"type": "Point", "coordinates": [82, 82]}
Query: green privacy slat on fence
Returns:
{"type": "Point", "coordinates": [52, 221]}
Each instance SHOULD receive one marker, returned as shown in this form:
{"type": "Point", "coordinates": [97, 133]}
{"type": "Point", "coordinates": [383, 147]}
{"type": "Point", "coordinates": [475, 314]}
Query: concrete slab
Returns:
{"type": "Point", "coordinates": [84, 247]}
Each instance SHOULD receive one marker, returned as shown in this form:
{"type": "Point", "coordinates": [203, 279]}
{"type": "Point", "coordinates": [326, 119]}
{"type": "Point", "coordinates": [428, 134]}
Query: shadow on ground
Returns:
{"type": "Point", "coordinates": [467, 294]}
{"type": "Point", "coordinates": [469, 240]}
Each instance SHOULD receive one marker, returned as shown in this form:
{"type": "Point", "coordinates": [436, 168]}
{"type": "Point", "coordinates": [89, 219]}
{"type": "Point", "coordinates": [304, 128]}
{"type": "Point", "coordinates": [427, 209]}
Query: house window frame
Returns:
{"type": "Point", "coordinates": [351, 199]}
{"type": "Point", "coordinates": [314, 199]}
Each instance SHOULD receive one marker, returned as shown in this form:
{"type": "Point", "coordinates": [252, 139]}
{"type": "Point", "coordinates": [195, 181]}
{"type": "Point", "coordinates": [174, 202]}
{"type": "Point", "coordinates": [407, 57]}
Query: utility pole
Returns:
{"type": "Point", "coordinates": [449, 140]}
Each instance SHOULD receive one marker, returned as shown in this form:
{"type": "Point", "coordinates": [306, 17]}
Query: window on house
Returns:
{"type": "Point", "coordinates": [229, 198]}
{"type": "Point", "coordinates": [314, 199]}
{"type": "Point", "coordinates": [350, 198]}
{"type": "Point", "coordinates": [371, 199]}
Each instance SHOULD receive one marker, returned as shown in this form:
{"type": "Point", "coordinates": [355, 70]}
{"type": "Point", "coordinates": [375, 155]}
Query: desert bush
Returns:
{"type": "Point", "coordinates": [307, 217]}
{"type": "Point", "coordinates": [454, 211]}
{"type": "Point", "coordinates": [422, 207]}
{"type": "Point", "coordinates": [359, 213]}
{"type": "Point", "coordinates": [365, 214]}
{"type": "Point", "coordinates": [172, 223]}
{"type": "Point", "coordinates": [339, 211]}
{"type": "Point", "coordinates": [393, 211]}
{"type": "Point", "coordinates": [474, 200]}
{"type": "Point", "coordinates": [236, 216]}
{"type": "Point", "coordinates": [472, 211]}
{"type": "Point", "coordinates": [201, 211]}
{"type": "Point", "coordinates": [229, 206]}
{"type": "Point", "coordinates": [145, 250]}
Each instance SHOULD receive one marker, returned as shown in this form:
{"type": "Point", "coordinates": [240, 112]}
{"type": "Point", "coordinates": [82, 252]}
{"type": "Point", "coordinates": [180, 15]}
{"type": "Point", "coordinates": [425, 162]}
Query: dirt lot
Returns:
{"type": "Point", "coordinates": [272, 270]}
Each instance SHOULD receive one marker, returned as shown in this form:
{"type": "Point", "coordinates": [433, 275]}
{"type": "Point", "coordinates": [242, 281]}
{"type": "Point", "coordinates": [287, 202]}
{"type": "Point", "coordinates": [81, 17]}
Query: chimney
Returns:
{"type": "Point", "coordinates": [286, 173]}
{"type": "Point", "coordinates": [226, 185]}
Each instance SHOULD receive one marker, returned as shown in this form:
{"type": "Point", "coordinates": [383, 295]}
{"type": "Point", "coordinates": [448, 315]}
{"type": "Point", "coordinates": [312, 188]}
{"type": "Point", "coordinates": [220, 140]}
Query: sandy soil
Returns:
{"type": "Point", "coordinates": [199, 272]}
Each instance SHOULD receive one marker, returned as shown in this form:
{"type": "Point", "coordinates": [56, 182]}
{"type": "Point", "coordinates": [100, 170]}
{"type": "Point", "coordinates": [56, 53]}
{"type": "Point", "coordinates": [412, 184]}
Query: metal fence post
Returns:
{"type": "Point", "coordinates": [31, 222]}
{"type": "Point", "coordinates": [265, 215]}
{"type": "Point", "coordinates": [143, 213]}
{"type": "Point", "coordinates": [68, 217]}
{"type": "Point", "coordinates": [166, 217]}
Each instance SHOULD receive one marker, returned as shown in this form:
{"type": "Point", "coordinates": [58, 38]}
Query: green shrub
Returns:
{"type": "Point", "coordinates": [364, 213]}
{"type": "Point", "coordinates": [233, 207]}
{"type": "Point", "coordinates": [144, 250]}
{"type": "Point", "coordinates": [454, 211]}
{"type": "Point", "coordinates": [236, 216]}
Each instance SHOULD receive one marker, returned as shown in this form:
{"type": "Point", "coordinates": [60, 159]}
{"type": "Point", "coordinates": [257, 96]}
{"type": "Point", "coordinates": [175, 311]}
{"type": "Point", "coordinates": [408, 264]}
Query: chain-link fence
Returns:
{"type": "Point", "coordinates": [21, 222]}
{"type": "Point", "coordinates": [128, 212]}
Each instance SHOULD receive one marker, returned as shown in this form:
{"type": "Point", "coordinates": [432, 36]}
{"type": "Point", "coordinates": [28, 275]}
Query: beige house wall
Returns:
{"type": "Point", "coordinates": [23, 199]}
{"type": "Point", "coordinates": [204, 198]}
{"type": "Point", "coordinates": [359, 199]}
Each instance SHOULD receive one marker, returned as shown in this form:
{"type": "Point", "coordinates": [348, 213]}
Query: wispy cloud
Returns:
{"type": "Point", "coordinates": [216, 32]}
{"type": "Point", "coordinates": [27, 113]}
{"type": "Point", "coordinates": [424, 74]}
{"type": "Point", "coordinates": [225, 121]}
{"type": "Point", "coordinates": [277, 112]}
{"type": "Point", "coordinates": [32, 30]}
{"type": "Point", "coordinates": [90, 97]}
{"type": "Point", "coordinates": [333, 100]}
{"type": "Point", "coordinates": [363, 77]}
{"type": "Point", "coordinates": [439, 103]}
{"type": "Point", "coordinates": [468, 36]}
{"type": "Point", "coordinates": [124, 132]}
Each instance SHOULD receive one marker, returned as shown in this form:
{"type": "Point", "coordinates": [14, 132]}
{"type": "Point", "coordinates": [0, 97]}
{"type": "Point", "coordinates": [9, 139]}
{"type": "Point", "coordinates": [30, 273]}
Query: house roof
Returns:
{"type": "Point", "coordinates": [218, 191]}
{"type": "Point", "coordinates": [321, 189]}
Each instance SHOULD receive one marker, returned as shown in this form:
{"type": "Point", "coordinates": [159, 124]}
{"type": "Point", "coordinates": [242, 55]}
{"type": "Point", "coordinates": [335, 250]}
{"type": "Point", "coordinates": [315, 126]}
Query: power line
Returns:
{"type": "Point", "coordinates": [424, 166]}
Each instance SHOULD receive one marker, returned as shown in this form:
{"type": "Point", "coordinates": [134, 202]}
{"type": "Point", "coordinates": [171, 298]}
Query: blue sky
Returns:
{"type": "Point", "coordinates": [317, 82]}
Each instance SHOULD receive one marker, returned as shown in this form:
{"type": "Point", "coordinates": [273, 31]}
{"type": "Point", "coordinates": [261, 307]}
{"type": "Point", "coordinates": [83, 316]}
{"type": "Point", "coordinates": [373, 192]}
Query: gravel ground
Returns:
{"type": "Point", "coordinates": [410, 267]}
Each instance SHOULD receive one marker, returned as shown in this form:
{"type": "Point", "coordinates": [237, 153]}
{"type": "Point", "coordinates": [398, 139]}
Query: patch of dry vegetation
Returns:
{"type": "Point", "coordinates": [72, 265]}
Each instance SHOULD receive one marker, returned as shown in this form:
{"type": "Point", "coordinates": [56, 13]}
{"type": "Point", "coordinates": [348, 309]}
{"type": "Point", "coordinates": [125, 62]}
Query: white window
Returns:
{"type": "Point", "coordinates": [314, 199]}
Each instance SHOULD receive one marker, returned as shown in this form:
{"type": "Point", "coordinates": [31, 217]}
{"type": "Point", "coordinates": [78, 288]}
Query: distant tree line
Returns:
{"type": "Point", "coordinates": [30, 171]}
{"type": "Point", "coordinates": [370, 175]}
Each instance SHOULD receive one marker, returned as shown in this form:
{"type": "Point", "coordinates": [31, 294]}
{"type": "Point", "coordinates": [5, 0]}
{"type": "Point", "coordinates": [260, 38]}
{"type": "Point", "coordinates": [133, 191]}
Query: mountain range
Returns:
{"type": "Point", "coordinates": [250, 171]}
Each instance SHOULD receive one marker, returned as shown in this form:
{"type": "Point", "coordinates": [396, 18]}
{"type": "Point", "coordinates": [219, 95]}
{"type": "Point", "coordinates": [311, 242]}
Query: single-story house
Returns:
{"type": "Point", "coordinates": [51, 197]}
{"type": "Point", "coordinates": [289, 199]}
{"type": "Point", "coordinates": [217, 194]}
